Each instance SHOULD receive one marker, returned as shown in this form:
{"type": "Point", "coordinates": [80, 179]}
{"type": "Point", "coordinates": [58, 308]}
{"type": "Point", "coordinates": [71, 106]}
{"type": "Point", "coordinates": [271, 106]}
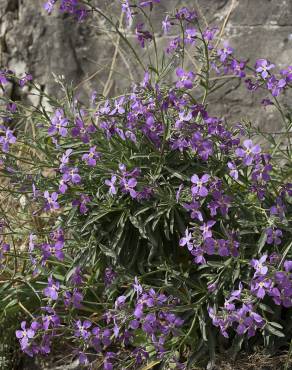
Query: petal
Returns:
{"type": "Point", "coordinates": [203, 192]}
{"type": "Point", "coordinates": [19, 334]}
{"type": "Point", "coordinates": [195, 179]}
{"type": "Point", "coordinates": [247, 144]}
{"type": "Point", "coordinates": [205, 178]}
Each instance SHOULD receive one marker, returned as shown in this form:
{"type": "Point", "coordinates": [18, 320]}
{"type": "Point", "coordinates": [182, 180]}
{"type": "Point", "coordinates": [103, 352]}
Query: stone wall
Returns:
{"type": "Point", "coordinates": [30, 40]}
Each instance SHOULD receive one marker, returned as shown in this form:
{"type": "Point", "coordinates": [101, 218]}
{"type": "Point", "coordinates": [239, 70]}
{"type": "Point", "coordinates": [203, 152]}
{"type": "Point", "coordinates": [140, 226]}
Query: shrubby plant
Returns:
{"type": "Point", "coordinates": [147, 225]}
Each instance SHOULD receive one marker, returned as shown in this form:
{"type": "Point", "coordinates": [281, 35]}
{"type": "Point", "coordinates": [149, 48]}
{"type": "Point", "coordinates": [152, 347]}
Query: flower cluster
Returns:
{"type": "Point", "coordinates": [120, 326]}
{"type": "Point", "coordinates": [271, 280]}
{"type": "Point", "coordinates": [237, 314]}
{"type": "Point", "coordinates": [72, 7]}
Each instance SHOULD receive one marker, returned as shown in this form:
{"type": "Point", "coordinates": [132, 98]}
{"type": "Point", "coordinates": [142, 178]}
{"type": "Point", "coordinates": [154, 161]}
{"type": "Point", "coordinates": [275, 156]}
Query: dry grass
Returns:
{"type": "Point", "coordinates": [256, 361]}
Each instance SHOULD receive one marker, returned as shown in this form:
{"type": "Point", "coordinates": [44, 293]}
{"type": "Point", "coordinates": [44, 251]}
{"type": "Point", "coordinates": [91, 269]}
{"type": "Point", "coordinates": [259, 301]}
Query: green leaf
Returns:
{"type": "Point", "coordinates": [274, 331]}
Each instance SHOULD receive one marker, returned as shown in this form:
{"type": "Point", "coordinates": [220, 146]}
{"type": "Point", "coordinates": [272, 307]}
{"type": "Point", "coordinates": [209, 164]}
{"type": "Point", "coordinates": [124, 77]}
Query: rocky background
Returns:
{"type": "Point", "coordinates": [32, 41]}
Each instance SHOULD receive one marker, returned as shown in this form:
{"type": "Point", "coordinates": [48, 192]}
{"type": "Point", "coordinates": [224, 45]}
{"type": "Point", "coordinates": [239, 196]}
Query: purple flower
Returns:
{"type": "Point", "coordinates": [82, 358]}
{"type": "Point", "coordinates": [142, 35]}
{"type": "Point", "coordinates": [58, 124]}
{"type": "Point", "coordinates": [212, 287]}
{"type": "Point", "coordinates": [225, 52]}
{"type": "Point", "coordinates": [276, 86]}
{"type": "Point", "coordinates": [63, 187]}
{"type": "Point", "coordinates": [6, 139]}
{"type": "Point", "coordinates": [198, 253]}
{"type": "Point", "coordinates": [153, 129]}
{"type": "Point", "coordinates": [249, 152]}
{"type": "Point", "coordinates": [127, 10]}
{"type": "Point", "coordinates": [54, 250]}
{"type": "Point", "coordinates": [190, 36]}
{"type": "Point", "coordinates": [262, 66]}
{"type": "Point", "coordinates": [24, 80]}
{"type": "Point", "coordinates": [76, 278]}
{"type": "Point", "coordinates": [198, 188]}
{"type": "Point", "coordinates": [194, 207]}
{"type": "Point", "coordinates": [120, 302]}
{"type": "Point", "coordinates": [111, 184]}
{"type": "Point", "coordinates": [81, 203]}
{"type": "Point", "coordinates": [119, 108]}
{"type": "Point", "coordinates": [11, 107]}
{"type": "Point", "coordinates": [173, 45]}
{"type": "Point", "coordinates": [137, 287]}
{"type": "Point", "coordinates": [233, 170]}
{"type": "Point", "coordinates": [91, 157]}
{"type": "Point", "coordinates": [250, 85]}
{"type": "Point", "coordinates": [109, 276]}
{"type": "Point", "coordinates": [51, 319]}
{"type": "Point", "coordinates": [65, 158]}
{"type": "Point", "coordinates": [260, 286]}
{"type": "Point", "coordinates": [187, 240]}
{"type": "Point", "coordinates": [207, 233]}
{"type": "Point", "coordinates": [209, 33]}
{"type": "Point", "coordinates": [178, 193]}
{"type": "Point", "coordinates": [73, 299]}
{"type": "Point", "coordinates": [185, 79]}
{"type": "Point", "coordinates": [166, 25]}
{"type": "Point", "coordinates": [51, 291]}
{"type": "Point", "coordinates": [25, 334]}
{"type": "Point", "coordinates": [3, 77]}
{"type": "Point", "coordinates": [258, 265]}
{"type": "Point", "coordinates": [274, 236]}
{"type": "Point", "coordinates": [82, 131]}
{"type": "Point", "coordinates": [128, 186]}
{"type": "Point", "coordinates": [278, 209]}
{"type": "Point", "coordinates": [186, 14]}
{"type": "Point", "coordinates": [81, 329]}
{"type": "Point", "coordinates": [238, 68]}
{"type": "Point", "coordinates": [220, 201]}
{"type": "Point", "coordinates": [71, 174]}
{"type": "Point", "coordinates": [51, 201]}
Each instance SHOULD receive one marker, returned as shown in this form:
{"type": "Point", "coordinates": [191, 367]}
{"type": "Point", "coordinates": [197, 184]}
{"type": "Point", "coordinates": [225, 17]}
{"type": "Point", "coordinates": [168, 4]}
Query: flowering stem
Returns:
{"type": "Point", "coordinates": [97, 10]}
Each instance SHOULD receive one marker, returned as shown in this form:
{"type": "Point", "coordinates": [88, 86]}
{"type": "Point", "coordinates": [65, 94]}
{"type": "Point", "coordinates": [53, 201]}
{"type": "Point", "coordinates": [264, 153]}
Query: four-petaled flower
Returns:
{"type": "Point", "coordinates": [51, 201]}
{"type": "Point", "coordinates": [7, 138]}
{"type": "Point", "coordinates": [128, 186]}
{"type": "Point", "coordinates": [205, 228]}
{"type": "Point", "coordinates": [258, 265]}
{"type": "Point", "coordinates": [185, 79]}
{"type": "Point", "coordinates": [91, 157]}
{"type": "Point", "coordinates": [187, 240]}
{"type": "Point", "coordinates": [59, 124]}
{"type": "Point", "coordinates": [198, 188]}
{"type": "Point", "coordinates": [72, 175]}
{"type": "Point", "coordinates": [111, 184]}
{"type": "Point", "coordinates": [233, 170]}
{"type": "Point", "coordinates": [82, 329]}
{"type": "Point", "coordinates": [249, 152]}
{"type": "Point", "coordinates": [190, 36]}
{"type": "Point", "coordinates": [26, 334]}
{"type": "Point", "coordinates": [51, 291]}
{"type": "Point", "coordinates": [224, 52]}
{"type": "Point", "coordinates": [274, 236]}
{"type": "Point", "coordinates": [262, 66]}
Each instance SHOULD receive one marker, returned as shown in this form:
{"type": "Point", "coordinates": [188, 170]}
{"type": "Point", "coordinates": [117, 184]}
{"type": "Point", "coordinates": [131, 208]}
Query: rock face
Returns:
{"type": "Point", "coordinates": [30, 40]}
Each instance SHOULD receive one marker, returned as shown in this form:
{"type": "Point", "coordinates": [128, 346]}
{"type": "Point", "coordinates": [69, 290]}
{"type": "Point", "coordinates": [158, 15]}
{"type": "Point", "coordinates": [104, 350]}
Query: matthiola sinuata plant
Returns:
{"type": "Point", "coordinates": [149, 221]}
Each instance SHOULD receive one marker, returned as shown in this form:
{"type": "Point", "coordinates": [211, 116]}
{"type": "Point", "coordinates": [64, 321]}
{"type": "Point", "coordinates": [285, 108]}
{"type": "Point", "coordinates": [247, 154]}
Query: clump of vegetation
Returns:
{"type": "Point", "coordinates": [143, 225]}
